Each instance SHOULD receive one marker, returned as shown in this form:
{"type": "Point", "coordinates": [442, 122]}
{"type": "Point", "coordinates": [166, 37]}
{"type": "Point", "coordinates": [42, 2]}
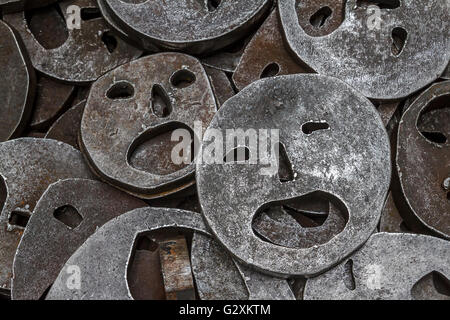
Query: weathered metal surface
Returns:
{"type": "Point", "coordinates": [194, 27]}
{"type": "Point", "coordinates": [391, 221]}
{"type": "Point", "coordinates": [331, 162]}
{"type": "Point", "coordinates": [67, 127]}
{"type": "Point", "coordinates": [17, 81]}
{"type": "Point", "coordinates": [388, 266]}
{"type": "Point", "coordinates": [130, 116]}
{"type": "Point", "coordinates": [423, 161]}
{"type": "Point", "coordinates": [219, 277]}
{"type": "Point", "coordinates": [387, 111]}
{"type": "Point", "coordinates": [27, 167]}
{"type": "Point", "coordinates": [220, 84]}
{"type": "Point", "coordinates": [266, 55]}
{"type": "Point", "coordinates": [49, 240]}
{"type": "Point", "coordinates": [446, 74]}
{"type": "Point", "coordinates": [83, 55]}
{"type": "Point", "coordinates": [105, 276]}
{"type": "Point", "coordinates": [51, 98]}
{"type": "Point", "coordinates": [384, 59]}
{"type": "Point", "coordinates": [8, 6]}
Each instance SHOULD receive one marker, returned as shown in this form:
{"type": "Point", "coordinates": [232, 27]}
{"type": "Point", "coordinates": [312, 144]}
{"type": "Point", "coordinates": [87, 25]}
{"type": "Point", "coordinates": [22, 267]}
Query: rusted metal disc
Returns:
{"type": "Point", "coordinates": [386, 53]}
{"type": "Point", "coordinates": [327, 132]}
{"type": "Point", "coordinates": [423, 161]}
{"type": "Point", "coordinates": [27, 167]}
{"type": "Point", "coordinates": [66, 215]}
{"type": "Point", "coordinates": [194, 27]}
{"type": "Point", "coordinates": [388, 266]}
{"type": "Point", "coordinates": [131, 114]}
{"type": "Point", "coordinates": [80, 55]}
{"type": "Point", "coordinates": [219, 277]}
{"type": "Point", "coordinates": [17, 81]}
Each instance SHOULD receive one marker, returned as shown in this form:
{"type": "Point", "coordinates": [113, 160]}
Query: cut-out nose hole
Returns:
{"type": "Point", "coordinates": [271, 70]}
{"type": "Point", "coordinates": [160, 102]}
{"type": "Point", "coordinates": [436, 137]}
{"type": "Point", "coordinates": [182, 79]}
{"type": "Point", "coordinates": [19, 219]}
{"type": "Point", "coordinates": [310, 127]}
{"type": "Point", "coordinates": [399, 36]}
{"type": "Point", "coordinates": [213, 5]}
{"type": "Point", "coordinates": [285, 168]}
{"type": "Point", "coordinates": [321, 16]}
{"type": "Point", "coordinates": [48, 26]}
{"type": "Point", "coordinates": [349, 278]}
{"type": "Point", "coordinates": [433, 286]}
{"type": "Point", "coordinates": [110, 41]}
{"type": "Point", "coordinates": [69, 216]}
{"type": "Point", "coordinates": [87, 14]}
{"type": "Point", "coordinates": [239, 154]}
{"type": "Point", "coordinates": [382, 4]}
{"type": "Point", "coordinates": [120, 90]}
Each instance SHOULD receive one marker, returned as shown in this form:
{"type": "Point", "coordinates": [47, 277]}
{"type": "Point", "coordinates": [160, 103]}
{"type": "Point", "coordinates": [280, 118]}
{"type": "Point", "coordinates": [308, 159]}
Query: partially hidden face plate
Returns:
{"type": "Point", "coordinates": [327, 132]}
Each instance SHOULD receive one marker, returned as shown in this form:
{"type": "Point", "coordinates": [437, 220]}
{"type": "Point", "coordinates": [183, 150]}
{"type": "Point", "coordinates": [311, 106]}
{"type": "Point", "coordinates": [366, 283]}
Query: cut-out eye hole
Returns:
{"type": "Point", "coordinates": [19, 219]}
{"type": "Point", "coordinates": [310, 127]}
{"type": "Point", "coordinates": [239, 154]}
{"type": "Point", "coordinates": [382, 4]}
{"type": "Point", "coordinates": [183, 79]}
{"type": "Point", "coordinates": [319, 18]}
{"type": "Point", "coordinates": [399, 37]}
{"type": "Point", "coordinates": [110, 41]}
{"type": "Point", "coordinates": [160, 102]}
{"type": "Point", "coordinates": [349, 278]}
{"type": "Point", "coordinates": [271, 70]}
{"type": "Point", "coordinates": [285, 168]}
{"type": "Point", "coordinates": [213, 5]}
{"type": "Point", "coordinates": [436, 137]}
{"type": "Point", "coordinates": [433, 286]}
{"type": "Point", "coordinates": [87, 14]}
{"type": "Point", "coordinates": [120, 90]}
{"type": "Point", "coordinates": [69, 216]}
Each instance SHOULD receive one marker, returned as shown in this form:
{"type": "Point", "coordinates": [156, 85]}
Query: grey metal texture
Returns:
{"type": "Point", "coordinates": [41, 255]}
{"type": "Point", "coordinates": [195, 27]}
{"type": "Point", "coordinates": [27, 167]}
{"type": "Point", "coordinates": [423, 163]}
{"type": "Point", "coordinates": [388, 266]}
{"type": "Point", "coordinates": [104, 258]}
{"type": "Point", "coordinates": [330, 162]}
{"type": "Point", "coordinates": [82, 56]}
{"type": "Point", "coordinates": [384, 61]}
{"type": "Point", "coordinates": [219, 277]}
{"type": "Point", "coordinates": [127, 138]}
{"type": "Point", "coordinates": [17, 84]}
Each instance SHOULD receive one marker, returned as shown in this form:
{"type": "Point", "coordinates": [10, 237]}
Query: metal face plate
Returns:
{"type": "Point", "coordinates": [191, 26]}
{"type": "Point", "coordinates": [84, 56]}
{"type": "Point", "coordinates": [384, 61]}
{"type": "Point", "coordinates": [40, 255]}
{"type": "Point", "coordinates": [383, 269]}
{"type": "Point", "coordinates": [332, 162]}
{"type": "Point", "coordinates": [105, 276]}
{"type": "Point", "coordinates": [123, 135]}
{"type": "Point", "coordinates": [17, 80]}
{"type": "Point", "coordinates": [27, 167]}
{"type": "Point", "coordinates": [424, 193]}
{"type": "Point", "coordinates": [219, 277]}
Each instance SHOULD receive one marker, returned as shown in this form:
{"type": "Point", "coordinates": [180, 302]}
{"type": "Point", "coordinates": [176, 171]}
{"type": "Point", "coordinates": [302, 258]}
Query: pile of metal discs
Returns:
{"type": "Point", "coordinates": [224, 149]}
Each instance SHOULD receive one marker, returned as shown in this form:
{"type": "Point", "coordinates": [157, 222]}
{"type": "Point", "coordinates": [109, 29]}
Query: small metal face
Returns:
{"type": "Point", "coordinates": [82, 54]}
{"type": "Point", "coordinates": [105, 276]}
{"type": "Point", "coordinates": [17, 81]}
{"type": "Point", "coordinates": [194, 27]}
{"type": "Point", "coordinates": [266, 55]}
{"type": "Point", "coordinates": [27, 167]}
{"type": "Point", "coordinates": [422, 162]}
{"type": "Point", "coordinates": [380, 50]}
{"type": "Point", "coordinates": [219, 277]}
{"type": "Point", "coordinates": [327, 132]}
{"type": "Point", "coordinates": [68, 212]}
{"type": "Point", "coordinates": [130, 116]}
{"type": "Point", "coordinates": [383, 269]}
